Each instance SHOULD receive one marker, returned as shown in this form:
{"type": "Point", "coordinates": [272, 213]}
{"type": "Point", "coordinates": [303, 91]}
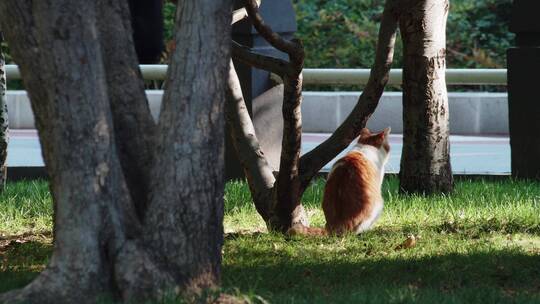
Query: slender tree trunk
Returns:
{"type": "Point", "coordinates": [278, 200]}
{"type": "Point", "coordinates": [425, 162]}
{"type": "Point", "coordinates": [4, 122]}
{"type": "Point", "coordinates": [288, 208]}
{"type": "Point", "coordinates": [109, 238]}
{"type": "Point", "coordinates": [259, 174]}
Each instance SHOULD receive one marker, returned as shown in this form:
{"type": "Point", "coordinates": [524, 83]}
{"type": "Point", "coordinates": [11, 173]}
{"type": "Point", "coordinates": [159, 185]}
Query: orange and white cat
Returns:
{"type": "Point", "coordinates": [352, 196]}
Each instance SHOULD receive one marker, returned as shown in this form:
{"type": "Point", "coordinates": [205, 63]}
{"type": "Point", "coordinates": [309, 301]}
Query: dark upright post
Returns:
{"type": "Point", "coordinates": [4, 125]}
{"type": "Point", "coordinates": [266, 114]}
{"type": "Point", "coordinates": [523, 84]}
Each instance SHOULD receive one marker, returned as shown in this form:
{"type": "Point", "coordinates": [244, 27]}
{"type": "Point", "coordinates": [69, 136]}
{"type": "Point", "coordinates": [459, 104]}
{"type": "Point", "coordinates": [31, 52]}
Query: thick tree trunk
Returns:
{"type": "Point", "coordinates": [60, 61]}
{"type": "Point", "coordinates": [4, 123]}
{"type": "Point", "coordinates": [135, 130]}
{"type": "Point", "coordinates": [185, 214]}
{"type": "Point", "coordinates": [425, 162]}
{"type": "Point", "coordinates": [111, 239]}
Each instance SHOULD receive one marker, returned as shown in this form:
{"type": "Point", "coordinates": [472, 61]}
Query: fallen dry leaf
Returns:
{"type": "Point", "coordinates": [410, 242]}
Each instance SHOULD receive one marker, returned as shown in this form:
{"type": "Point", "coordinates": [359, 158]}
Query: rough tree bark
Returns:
{"type": "Point", "coordinates": [4, 122]}
{"type": "Point", "coordinates": [259, 174]}
{"type": "Point", "coordinates": [129, 106]}
{"type": "Point", "coordinates": [100, 145]}
{"type": "Point", "coordinates": [425, 160]}
{"type": "Point", "coordinates": [278, 196]}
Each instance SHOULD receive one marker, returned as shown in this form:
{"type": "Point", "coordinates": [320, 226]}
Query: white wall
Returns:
{"type": "Point", "coordinates": [470, 113]}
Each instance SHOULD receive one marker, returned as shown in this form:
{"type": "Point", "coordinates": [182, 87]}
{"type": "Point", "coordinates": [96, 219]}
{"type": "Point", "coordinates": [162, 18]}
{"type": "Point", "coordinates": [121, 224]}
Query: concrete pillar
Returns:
{"type": "Point", "coordinates": [280, 15]}
{"type": "Point", "coordinates": [523, 84]}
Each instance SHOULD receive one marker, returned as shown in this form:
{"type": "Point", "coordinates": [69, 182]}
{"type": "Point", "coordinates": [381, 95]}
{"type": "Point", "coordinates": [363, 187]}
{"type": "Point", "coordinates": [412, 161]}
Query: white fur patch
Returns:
{"type": "Point", "coordinates": [373, 217]}
{"type": "Point", "coordinates": [378, 157]}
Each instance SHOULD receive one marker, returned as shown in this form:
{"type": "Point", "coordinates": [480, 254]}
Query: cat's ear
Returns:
{"type": "Point", "coordinates": [364, 133]}
{"type": "Point", "coordinates": [386, 139]}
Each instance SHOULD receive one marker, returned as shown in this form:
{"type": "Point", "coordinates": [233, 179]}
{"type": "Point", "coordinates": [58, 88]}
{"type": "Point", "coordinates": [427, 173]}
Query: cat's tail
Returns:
{"type": "Point", "coordinates": [299, 229]}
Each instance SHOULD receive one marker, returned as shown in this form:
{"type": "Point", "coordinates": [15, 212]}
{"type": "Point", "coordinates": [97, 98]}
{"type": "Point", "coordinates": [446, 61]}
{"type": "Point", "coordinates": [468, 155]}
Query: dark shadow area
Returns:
{"type": "Point", "coordinates": [16, 174]}
{"type": "Point", "coordinates": [21, 260]}
{"type": "Point", "coordinates": [467, 228]}
{"type": "Point", "coordinates": [279, 276]}
{"type": "Point", "coordinates": [495, 277]}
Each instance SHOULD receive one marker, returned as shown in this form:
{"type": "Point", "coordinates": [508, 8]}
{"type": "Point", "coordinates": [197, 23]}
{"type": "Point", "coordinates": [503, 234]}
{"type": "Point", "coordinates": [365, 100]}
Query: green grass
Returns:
{"type": "Point", "coordinates": [479, 245]}
{"type": "Point", "coordinates": [25, 207]}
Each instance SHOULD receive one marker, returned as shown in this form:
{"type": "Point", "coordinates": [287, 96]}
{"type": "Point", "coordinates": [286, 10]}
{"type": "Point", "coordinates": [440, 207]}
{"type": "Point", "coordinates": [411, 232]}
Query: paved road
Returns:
{"type": "Point", "coordinates": [24, 149]}
{"type": "Point", "coordinates": [469, 154]}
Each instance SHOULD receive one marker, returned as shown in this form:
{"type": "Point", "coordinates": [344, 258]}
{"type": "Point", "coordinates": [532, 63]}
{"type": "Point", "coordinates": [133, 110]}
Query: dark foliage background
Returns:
{"type": "Point", "coordinates": [343, 33]}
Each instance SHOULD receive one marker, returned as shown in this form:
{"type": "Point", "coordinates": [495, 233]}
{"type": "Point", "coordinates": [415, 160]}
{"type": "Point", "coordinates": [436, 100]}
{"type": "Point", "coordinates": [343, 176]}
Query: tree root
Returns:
{"type": "Point", "coordinates": [138, 277]}
{"type": "Point", "coordinates": [51, 286]}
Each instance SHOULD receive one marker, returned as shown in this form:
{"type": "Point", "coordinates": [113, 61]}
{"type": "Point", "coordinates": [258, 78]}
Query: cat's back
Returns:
{"type": "Point", "coordinates": [350, 193]}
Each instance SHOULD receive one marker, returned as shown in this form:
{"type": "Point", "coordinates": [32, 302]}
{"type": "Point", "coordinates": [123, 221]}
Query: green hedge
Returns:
{"type": "Point", "coordinates": [343, 33]}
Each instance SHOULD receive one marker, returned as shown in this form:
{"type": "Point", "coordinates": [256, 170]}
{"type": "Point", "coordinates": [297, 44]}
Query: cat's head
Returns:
{"type": "Point", "coordinates": [378, 140]}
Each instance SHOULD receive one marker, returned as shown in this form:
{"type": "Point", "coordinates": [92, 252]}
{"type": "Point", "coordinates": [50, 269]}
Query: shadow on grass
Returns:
{"type": "Point", "coordinates": [496, 276]}
{"type": "Point", "coordinates": [472, 229]}
{"type": "Point", "coordinates": [21, 261]}
{"type": "Point", "coordinates": [500, 276]}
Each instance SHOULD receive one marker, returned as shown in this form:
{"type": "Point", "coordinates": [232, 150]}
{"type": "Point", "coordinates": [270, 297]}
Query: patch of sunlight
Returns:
{"type": "Point", "coordinates": [526, 242]}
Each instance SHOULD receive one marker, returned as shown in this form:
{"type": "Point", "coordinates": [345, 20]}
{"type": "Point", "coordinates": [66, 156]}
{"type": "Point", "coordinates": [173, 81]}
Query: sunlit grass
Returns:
{"type": "Point", "coordinates": [503, 205]}
{"type": "Point", "coordinates": [25, 207]}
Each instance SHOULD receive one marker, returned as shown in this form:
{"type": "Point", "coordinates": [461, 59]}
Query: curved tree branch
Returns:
{"type": "Point", "coordinates": [284, 45]}
{"type": "Point", "coordinates": [259, 173]}
{"type": "Point", "coordinates": [263, 62]}
{"type": "Point", "coordinates": [287, 209]}
{"type": "Point", "coordinates": [241, 13]}
{"type": "Point", "coordinates": [312, 162]}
